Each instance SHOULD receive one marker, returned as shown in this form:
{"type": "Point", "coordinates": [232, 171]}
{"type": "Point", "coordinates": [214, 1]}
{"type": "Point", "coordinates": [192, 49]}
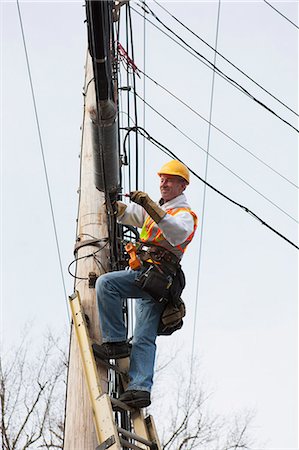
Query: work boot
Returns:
{"type": "Point", "coordinates": [112, 350]}
{"type": "Point", "coordinates": [136, 399]}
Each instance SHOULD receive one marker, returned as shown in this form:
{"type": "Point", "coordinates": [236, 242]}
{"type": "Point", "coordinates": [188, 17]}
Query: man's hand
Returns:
{"type": "Point", "coordinates": [139, 197]}
{"type": "Point", "coordinates": [153, 210]}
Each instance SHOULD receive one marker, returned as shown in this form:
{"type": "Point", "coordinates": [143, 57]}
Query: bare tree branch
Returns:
{"type": "Point", "coordinates": [32, 392]}
{"type": "Point", "coordinates": [190, 425]}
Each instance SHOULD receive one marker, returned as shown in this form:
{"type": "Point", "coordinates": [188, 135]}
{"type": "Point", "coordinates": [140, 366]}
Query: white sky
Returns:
{"type": "Point", "coordinates": [247, 304]}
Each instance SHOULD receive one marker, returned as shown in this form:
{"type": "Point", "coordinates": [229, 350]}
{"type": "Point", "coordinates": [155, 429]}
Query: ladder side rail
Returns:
{"type": "Point", "coordinates": [101, 405]}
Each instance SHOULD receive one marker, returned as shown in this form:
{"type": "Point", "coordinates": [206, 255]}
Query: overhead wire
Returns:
{"type": "Point", "coordinates": [279, 12]}
{"type": "Point", "coordinates": [43, 157]}
{"type": "Point", "coordinates": [216, 128]}
{"type": "Point", "coordinates": [131, 77]}
{"type": "Point", "coordinates": [202, 229]}
{"type": "Point", "coordinates": [219, 162]}
{"type": "Point", "coordinates": [128, 98]}
{"type": "Point", "coordinates": [181, 45]}
{"type": "Point", "coordinates": [144, 85]}
{"type": "Point", "coordinates": [201, 148]}
{"type": "Point", "coordinates": [171, 154]}
{"type": "Point", "coordinates": [224, 58]}
{"type": "Point", "coordinates": [218, 71]}
{"type": "Point", "coordinates": [135, 101]}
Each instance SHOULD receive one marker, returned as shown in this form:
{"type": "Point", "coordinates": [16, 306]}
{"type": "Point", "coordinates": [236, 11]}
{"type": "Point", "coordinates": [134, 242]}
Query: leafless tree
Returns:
{"type": "Point", "coordinates": [32, 391]}
{"type": "Point", "coordinates": [32, 396]}
{"type": "Point", "coordinates": [188, 424]}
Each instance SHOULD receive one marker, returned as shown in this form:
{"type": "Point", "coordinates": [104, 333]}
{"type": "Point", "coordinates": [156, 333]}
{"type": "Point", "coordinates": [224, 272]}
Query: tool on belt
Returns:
{"type": "Point", "coordinates": [134, 261]}
{"type": "Point", "coordinates": [161, 276]}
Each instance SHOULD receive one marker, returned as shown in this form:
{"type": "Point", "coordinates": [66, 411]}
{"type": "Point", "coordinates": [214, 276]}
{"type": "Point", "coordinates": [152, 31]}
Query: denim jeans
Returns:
{"type": "Point", "coordinates": [111, 289]}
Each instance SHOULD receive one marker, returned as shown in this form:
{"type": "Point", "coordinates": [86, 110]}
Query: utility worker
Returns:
{"type": "Point", "coordinates": [167, 229]}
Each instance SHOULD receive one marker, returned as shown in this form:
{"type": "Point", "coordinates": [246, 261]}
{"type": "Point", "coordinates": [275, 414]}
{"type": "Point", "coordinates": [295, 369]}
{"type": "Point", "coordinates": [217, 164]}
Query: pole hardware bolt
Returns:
{"type": "Point", "coordinates": [92, 278]}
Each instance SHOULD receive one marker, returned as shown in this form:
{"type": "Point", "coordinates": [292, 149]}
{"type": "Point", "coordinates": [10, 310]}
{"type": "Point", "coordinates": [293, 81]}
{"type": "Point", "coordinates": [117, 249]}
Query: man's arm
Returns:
{"type": "Point", "coordinates": [131, 214]}
{"type": "Point", "coordinates": [153, 210]}
{"type": "Point", "coordinates": [178, 228]}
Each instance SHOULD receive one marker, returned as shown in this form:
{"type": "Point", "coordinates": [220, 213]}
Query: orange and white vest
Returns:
{"type": "Point", "coordinates": [174, 232]}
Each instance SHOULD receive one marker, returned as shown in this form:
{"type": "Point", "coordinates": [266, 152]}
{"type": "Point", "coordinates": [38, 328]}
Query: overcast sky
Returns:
{"type": "Point", "coordinates": [247, 319]}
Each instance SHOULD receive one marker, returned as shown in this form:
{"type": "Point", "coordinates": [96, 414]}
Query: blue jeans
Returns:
{"type": "Point", "coordinates": [111, 289]}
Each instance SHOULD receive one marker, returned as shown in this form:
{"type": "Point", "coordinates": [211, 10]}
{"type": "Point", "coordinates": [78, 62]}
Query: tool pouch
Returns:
{"type": "Point", "coordinates": [172, 318]}
{"type": "Point", "coordinates": [155, 282]}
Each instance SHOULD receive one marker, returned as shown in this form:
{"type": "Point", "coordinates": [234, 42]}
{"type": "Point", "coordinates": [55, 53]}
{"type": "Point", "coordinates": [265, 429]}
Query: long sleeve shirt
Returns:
{"type": "Point", "coordinates": [174, 232]}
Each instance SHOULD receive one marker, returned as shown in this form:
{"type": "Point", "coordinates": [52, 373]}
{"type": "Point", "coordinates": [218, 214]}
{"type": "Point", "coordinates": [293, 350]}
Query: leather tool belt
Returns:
{"type": "Point", "coordinates": [161, 275]}
{"type": "Point", "coordinates": [159, 255]}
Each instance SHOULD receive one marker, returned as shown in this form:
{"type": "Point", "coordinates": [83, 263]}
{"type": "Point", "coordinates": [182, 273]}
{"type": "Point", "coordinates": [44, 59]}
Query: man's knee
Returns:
{"type": "Point", "coordinates": [101, 282]}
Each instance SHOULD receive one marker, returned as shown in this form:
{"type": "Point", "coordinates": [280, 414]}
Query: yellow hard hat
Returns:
{"type": "Point", "coordinates": [175, 167]}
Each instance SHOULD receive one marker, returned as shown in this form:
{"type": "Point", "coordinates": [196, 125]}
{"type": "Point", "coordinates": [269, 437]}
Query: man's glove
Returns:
{"type": "Point", "coordinates": [153, 210]}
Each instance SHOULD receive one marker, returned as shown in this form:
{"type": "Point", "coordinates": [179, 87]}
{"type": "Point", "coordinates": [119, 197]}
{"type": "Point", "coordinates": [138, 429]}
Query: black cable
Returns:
{"type": "Point", "coordinates": [219, 162]}
{"type": "Point", "coordinates": [135, 101]}
{"type": "Point", "coordinates": [215, 127]}
{"type": "Point", "coordinates": [186, 49]}
{"type": "Point", "coordinates": [169, 153]}
{"type": "Point", "coordinates": [107, 27]}
{"type": "Point", "coordinates": [93, 254]}
{"type": "Point", "coordinates": [211, 156]}
{"type": "Point", "coordinates": [43, 158]}
{"type": "Point", "coordinates": [144, 83]}
{"type": "Point", "coordinates": [225, 59]}
{"type": "Point", "coordinates": [218, 71]}
{"type": "Point", "coordinates": [128, 97]}
{"type": "Point", "coordinates": [269, 4]}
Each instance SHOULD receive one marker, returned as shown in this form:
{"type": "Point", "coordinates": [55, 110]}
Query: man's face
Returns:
{"type": "Point", "coordinates": [171, 186]}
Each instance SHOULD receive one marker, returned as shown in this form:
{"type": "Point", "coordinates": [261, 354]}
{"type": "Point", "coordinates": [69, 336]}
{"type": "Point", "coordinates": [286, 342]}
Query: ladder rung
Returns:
{"type": "Point", "coordinates": [111, 366]}
{"type": "Point", "coordinates": [117, 404]}
{"type": "Point", "coordinates": [106, 363]}
{"type": "Point", "coordinates": [140, 439]}
{"type": "Point", "coordinates": [108, 443]}
{"type": "Point", "coordinates": [128, 444]}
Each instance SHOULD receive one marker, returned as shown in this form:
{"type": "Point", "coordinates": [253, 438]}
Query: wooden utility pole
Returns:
{"type": "Point", "coordinates": [92, 224]}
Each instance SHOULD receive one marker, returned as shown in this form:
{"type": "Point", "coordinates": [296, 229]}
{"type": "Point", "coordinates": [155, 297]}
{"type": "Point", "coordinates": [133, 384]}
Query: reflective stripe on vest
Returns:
{"type": "Point", "coordinates": [152, 233]}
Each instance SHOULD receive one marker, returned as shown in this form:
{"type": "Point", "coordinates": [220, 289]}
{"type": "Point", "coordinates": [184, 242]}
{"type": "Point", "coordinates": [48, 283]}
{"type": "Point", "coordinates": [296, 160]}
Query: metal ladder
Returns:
{"type": "Point", "coordinates": [109, 435]}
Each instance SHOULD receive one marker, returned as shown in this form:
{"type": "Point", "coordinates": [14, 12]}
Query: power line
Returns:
{"type": "Point", "coordinates": [225, 59]}
{"type": "Point", "coordinates": [135, 103]}
{"type": "Point", "coordinates": [144, 61]}
{"type": "Point", "coordinates": [186, 49]}
{"type": "Point", "coordinates": [218, 71]}
{"type": "Point", "coordinates": [128, 98]}
{"type": "Point", "coordinates": [204, 193]}
{"type": "Point", "coordinates": [171, 154]}
{"type": "Point", "coordinates": [285, 17]}
{"type": "Point", "coordinates": [217, 128]}
{"type": "Point", "coordinates": [217, 160]}
{"type": "Point", "coordinates": [43, 156]}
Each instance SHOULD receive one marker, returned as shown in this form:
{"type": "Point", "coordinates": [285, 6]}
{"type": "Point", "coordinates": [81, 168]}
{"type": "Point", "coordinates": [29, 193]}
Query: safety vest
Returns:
{"type": "Point", "coordinates": [152, 233]}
